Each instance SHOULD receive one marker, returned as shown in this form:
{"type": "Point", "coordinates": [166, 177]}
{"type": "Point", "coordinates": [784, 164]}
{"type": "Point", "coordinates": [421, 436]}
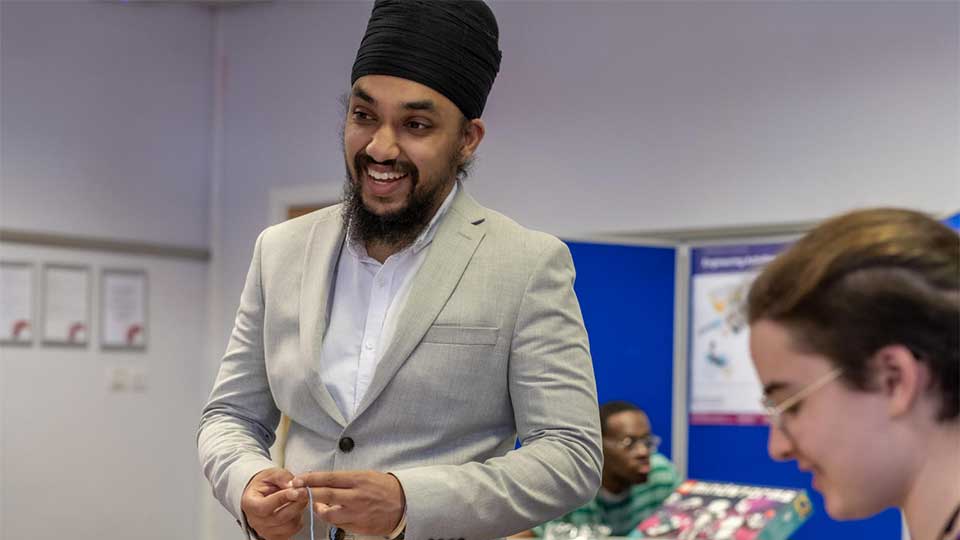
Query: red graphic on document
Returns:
{"type": "Point", "coordinates": [76, 333]}
{"type": "Point", "coordinates": [134, 334]}
{"type": "Point", "coordinates": [21, 329]}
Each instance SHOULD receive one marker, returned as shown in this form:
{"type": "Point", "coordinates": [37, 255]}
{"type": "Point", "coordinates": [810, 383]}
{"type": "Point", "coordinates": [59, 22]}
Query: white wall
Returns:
{"type": "Point", "coordinates": [106, 120]}
{"type": "Point", "coordinates": [646, 115]}
{"type": "Point", "coordinates": [630, 116]}
{"type": "Point", "coordinates": [105, 132]}
{"type": "Point", "coordinates": [637, 115]}
{"type": "Point", "coordinates": [83, 462]}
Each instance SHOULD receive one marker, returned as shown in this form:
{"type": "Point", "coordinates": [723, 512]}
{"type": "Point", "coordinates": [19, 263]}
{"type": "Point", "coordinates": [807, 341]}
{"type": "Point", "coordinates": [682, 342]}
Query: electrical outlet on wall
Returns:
{"type": "Point", "coordinates": [119, 379]}
{"type": "Point", "coordinates": [138, 379]}
{"type": "Point", "coordinates": [127, 379]}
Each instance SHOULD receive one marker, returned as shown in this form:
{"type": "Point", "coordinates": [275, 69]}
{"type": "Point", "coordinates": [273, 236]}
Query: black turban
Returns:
{"type": "Point", "coordinates": [447, 45]}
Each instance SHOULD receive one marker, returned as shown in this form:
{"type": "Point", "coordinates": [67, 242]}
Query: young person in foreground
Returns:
{"type": "Point", "coordinates": [855, 335]}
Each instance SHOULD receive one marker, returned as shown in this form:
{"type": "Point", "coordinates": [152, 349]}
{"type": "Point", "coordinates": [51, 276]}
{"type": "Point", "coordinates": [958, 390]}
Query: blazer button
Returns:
{"type": "Point", "coordinates": [346, 444]}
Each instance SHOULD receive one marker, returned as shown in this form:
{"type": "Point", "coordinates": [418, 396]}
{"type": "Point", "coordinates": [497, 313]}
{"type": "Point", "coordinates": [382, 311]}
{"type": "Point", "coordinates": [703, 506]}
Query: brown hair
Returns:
{"type": "Point", "coordinates": [867, 279]}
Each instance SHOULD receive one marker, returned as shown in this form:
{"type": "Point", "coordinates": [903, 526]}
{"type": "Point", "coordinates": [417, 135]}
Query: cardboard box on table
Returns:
{"type": "Point", "coordinates": [721, 511]}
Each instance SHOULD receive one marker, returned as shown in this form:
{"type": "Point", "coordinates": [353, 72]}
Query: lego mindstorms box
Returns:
{"type": "Point", "coordinates": [721, 511]}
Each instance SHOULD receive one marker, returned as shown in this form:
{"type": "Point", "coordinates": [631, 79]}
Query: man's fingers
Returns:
{"type": "Point", "coordinates": [335, 514]}
{"type": "Point", "coordinates": [270, 481]}
{"type": "Point", "coordinates": [334, 479]}
{"type": "Point", "coordinates": [278, 478]}
{"type": "Point", "coordinates": [289, 512]}
{"type": "Point", "coordinates": [265, 506]}
{"type": "Point", "coordinates": [283, 523]}
{"type": "Point", "coordinates": [331, 496]}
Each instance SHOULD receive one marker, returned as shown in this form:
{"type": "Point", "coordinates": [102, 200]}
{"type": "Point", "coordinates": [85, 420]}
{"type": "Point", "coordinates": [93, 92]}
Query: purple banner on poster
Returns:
{"type": "Point", "coordinates": [732, 259]}
{"type": "Point", "coordinates": [728, 419]}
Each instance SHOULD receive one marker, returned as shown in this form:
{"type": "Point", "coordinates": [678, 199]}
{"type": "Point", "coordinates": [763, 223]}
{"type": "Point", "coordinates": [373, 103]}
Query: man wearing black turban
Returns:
{"type": "Point", "coordinates": [408, 336]}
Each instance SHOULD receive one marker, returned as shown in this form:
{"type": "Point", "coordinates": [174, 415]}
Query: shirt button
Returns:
{"type": "Point", "coordinates": [368, 345]}
{"type": "Point", "coordinates": [381, 282]}
{"type": "Point", "coordinates": [346, 444]}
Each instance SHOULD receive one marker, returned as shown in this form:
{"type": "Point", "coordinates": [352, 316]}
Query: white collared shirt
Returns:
{"type": "Point", "coordinates": [367, 298]}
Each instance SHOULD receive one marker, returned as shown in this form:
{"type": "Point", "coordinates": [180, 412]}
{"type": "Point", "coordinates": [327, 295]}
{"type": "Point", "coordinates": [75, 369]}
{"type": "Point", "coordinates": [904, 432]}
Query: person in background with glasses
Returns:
{"type": "Point", "coordinates": [636, 479]}
{"type": "Point", "coordinates": [855, 336]}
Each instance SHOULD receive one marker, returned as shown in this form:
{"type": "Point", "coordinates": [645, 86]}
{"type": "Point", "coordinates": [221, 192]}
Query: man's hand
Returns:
{"type": "Point", "coordinates": [272, 510]}
{"type": "Point", "coordinates": [362, 502]}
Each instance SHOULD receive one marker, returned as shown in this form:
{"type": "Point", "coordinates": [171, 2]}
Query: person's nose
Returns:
{"type": "Point", "coordinates": [383, 146]}
{"type": "Point", "coordinates": [779, 444]}
{"type": "Point", "coordinates": [640, 449]}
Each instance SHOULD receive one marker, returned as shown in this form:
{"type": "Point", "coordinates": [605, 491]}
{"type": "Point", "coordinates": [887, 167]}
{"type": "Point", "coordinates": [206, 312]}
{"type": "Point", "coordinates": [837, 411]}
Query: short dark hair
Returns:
{"type": "Point", "coordinates": [865, 280]}
{"type": "Point", "coordinates": [611, 408]}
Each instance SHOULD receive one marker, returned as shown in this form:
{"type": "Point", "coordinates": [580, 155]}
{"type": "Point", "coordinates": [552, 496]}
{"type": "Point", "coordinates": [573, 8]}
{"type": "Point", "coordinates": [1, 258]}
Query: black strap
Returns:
{"type": "Point", "coordinates": [949, 524]}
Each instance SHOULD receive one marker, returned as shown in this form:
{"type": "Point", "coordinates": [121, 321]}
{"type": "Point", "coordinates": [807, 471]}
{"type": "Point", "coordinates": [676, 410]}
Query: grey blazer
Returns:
{"type": "Point", "coordinates": [489, 346]}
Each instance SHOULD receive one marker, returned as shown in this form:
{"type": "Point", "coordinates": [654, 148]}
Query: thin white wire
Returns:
{"type": "Point", "coordinates": [310, 495]}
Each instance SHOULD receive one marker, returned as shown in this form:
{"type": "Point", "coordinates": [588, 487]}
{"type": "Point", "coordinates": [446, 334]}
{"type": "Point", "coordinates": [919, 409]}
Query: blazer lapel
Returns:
{"type": "Point", "coordinates": [319, 271]}
{"type": "Point", "coordinates": [454, 244]}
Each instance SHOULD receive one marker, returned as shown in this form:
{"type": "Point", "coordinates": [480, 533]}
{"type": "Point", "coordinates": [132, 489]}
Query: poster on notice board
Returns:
{"type": "Point", "coordinates": [723, 385]}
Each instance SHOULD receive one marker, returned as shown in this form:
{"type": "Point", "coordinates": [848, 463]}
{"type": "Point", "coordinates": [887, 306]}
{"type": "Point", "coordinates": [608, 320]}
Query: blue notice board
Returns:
{"type": "Point", "coordinates": [626, 294]}
{"type": "Point", "coordinates": [953, 221]}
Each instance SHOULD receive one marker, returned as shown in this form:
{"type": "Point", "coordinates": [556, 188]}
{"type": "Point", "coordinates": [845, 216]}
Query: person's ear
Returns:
{"type": "Point", "coordinates": [472, 134]}
{"type": "Point", "coordinates": [901, 377]}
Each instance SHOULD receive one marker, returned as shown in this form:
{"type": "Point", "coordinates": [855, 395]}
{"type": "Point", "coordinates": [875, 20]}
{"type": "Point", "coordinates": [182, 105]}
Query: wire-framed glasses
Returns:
{"type": "Point", "coordinates": [775, 411]}
{"type": "Point", "coordinates": [650, 442]}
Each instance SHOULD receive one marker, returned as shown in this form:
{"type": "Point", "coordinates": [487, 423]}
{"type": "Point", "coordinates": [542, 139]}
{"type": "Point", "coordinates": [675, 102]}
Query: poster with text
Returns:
{"type": "Point", "coordinates": [16, 303]}
{"type": "Point", "coordinates": [124, 309]}
{"type": "Point", "coordinates": [66, 305]}
{"type": "Point", "coordinates": [723, 385]}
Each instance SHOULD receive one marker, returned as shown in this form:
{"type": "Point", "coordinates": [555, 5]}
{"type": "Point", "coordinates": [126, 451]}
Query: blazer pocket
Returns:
{"type": "Point", "coordinates": [461, 335]}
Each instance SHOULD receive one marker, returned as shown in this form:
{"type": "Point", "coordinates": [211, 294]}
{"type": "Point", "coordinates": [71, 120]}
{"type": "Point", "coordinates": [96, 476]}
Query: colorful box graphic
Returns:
{"type": "Point", "coordinates": [721, 511]}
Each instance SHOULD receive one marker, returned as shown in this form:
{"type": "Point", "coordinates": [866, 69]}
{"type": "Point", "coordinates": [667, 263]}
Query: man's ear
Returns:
{"type": "Point", "coordinates": [901, 377]}
{"type": "Point", "coordinates": [472, 134]}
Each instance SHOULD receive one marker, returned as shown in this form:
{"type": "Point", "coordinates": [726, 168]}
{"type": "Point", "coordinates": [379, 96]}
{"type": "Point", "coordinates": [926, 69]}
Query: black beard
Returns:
{"type": "Point", "coordinates": [398, 229]}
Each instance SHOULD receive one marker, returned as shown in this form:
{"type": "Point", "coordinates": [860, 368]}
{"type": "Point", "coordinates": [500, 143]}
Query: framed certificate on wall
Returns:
{"type": "Point", "coordinates": [66, 305]}
{"type": "Point", "coordinates": [123, 309]}
{"type": "Point", "coordinates": [16, 303]}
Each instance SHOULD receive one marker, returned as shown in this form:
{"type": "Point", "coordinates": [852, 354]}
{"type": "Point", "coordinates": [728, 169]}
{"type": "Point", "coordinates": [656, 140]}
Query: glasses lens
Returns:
{"type": "Point", "coordinates": [773, 414]}
{"type": "Point", "coordinates": [650, 442]}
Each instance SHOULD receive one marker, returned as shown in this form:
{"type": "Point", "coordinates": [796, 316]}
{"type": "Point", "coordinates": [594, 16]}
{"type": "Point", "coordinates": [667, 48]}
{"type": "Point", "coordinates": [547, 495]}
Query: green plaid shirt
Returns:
{"type": "Point", "coordinates": [623, 515]}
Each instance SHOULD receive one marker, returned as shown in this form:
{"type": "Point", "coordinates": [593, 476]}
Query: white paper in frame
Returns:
{"type": "Point", "coordinates": [123, 309]}
{"type": "Point", "coordinates": [66, 305]}
{"type": "Point", "coordinates": [17, 294]}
